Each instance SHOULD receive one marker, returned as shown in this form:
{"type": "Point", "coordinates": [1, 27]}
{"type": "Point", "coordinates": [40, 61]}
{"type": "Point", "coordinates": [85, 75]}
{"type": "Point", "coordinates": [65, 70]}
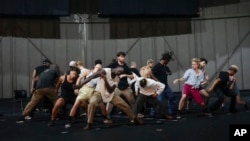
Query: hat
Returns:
{"type": "Point", "coordinates": [46, 61]}
{"type": "Point", "coordinates": [234, 67]}
{"type": "Point", "coordinates": [72, 63]}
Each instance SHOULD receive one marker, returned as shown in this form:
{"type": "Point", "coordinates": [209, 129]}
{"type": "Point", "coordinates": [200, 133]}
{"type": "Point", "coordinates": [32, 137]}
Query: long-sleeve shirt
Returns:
{"type": "Point", "coordinates": [151, 87]}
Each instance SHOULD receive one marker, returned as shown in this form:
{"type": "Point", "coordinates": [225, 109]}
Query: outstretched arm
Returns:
{"type": "Point", "coordinates": [94, 75]}
{"type": "Point", "coordinates": [178, 80]}
{"type": "Point", "coordinates": [216, 81]}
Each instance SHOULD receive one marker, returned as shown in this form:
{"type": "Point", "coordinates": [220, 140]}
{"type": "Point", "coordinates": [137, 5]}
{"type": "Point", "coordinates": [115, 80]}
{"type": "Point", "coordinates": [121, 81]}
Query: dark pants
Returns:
{"type": "Point", "coordinates": [220, 98]}
{"type": "Point", "coordinates": [154, 102]}
{"type": "Point", "coordinates": [172, 104]}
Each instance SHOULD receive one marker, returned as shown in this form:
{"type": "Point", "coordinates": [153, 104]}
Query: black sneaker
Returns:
{"type": "Point", "coordinates": [51, 123]}
{"type": "Point", "coordinates": [232, 111]}
{"type": "Point", "coordinates": [246, 106]}
{"type": "Point", "coordinates": [20, 120]}
{"type": "Point", "coordinates": [136, 121]}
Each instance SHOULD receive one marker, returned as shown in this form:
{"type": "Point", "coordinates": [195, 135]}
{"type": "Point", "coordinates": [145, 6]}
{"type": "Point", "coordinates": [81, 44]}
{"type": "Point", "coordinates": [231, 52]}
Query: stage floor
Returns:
{"type": "Point", "coordinates": [194, 126]}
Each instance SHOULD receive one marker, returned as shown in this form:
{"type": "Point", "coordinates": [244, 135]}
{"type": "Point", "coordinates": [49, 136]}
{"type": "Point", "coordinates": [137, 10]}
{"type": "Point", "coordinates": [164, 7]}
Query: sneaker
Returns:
{"type": "Point", "coordinates": [52, 123]}
{"type": "Point", "coordinates": [107, 121]}
{"type": "Point", "coordinates": [222, 108]}
{"type": "Point", "coordinates": [207, 114]}
{"type": "Point", "coordinates": [20, 120]}
{"type": "Point", "coordinates": [27, 117]}
{"type": "Point", "coordinates": [178, 116]}
{"type": "Point", "coordinates": [246, 106]}
{"type": "Point", "coordinates": [68, 125]}
{"type": "Point", "coordinates": [232, 111]}
{"type": "Point", "coordinates": [169, 117]}
{"type": "Point", "coordinates": [137, 121]}
{"type": "Point", "coordinates": [139, 115]}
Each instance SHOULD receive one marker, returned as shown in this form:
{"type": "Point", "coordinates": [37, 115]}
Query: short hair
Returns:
{"type": "Point", "coordinates": [203, 59]}
{"type": "Point", "coordinates": [234, 68]}
{"type": "Point", "coordinates": [121, 53]}
{"type": "Point", "coordinates": [143, 82]}
{"type": "Point", "coordinates": [98, 61]}
{"type": "Point", "coordinates": [149, 61]}
{"type": "Point", "coordinates": [47, 61]}
{"type": "Point", "coordinates": [197, 60]}
{"type": "Point", "coordinates": [73, 69]}
{"type": "Point", "coordinates": [80, 63]}
{"type": "Point", "coordinates": [133, 63]}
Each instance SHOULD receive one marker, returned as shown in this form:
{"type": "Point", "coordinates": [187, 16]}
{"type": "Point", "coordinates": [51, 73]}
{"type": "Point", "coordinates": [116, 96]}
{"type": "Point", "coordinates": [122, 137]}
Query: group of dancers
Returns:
{"type": "Point", "coordinates": [129, 89]}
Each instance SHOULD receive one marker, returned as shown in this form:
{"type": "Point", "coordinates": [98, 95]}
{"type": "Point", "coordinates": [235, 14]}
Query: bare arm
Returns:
{"type": "Point", "coordinates": [94, 75]}
{"type": "Point", "coordinates": [232, 82]}
{"type": "Point", "coordinates": [178, 80]}
{"type": "Point", "coordinates": [216, 81]}
{"type": "Point", "coordinates": [33, 81]}
{"type": "Point", "coordinates": [59, 82]}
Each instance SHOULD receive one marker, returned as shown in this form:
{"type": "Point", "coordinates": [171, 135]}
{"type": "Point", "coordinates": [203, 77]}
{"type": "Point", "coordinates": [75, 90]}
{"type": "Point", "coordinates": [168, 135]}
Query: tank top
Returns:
{"type": "Point", "coordinates": [67, 90]}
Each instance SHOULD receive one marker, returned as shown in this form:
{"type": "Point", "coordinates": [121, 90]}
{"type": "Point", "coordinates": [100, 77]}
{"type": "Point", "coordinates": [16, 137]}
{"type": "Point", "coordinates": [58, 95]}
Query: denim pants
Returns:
{"type": "Point", "coordinates": [171, 97]}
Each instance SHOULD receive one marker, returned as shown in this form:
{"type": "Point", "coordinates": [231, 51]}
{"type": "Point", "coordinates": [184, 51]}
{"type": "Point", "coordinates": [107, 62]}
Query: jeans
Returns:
{"type": "Point", "coordinates": [172, 104]}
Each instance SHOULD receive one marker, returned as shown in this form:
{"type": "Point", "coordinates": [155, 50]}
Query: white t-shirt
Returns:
{"type": "Point", "coordinates": [100, 86]}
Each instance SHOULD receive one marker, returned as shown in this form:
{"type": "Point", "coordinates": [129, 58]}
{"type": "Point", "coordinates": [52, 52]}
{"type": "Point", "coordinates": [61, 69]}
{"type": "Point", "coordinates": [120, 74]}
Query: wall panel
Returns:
{"type": "Point", "coordinates": [212, 38]}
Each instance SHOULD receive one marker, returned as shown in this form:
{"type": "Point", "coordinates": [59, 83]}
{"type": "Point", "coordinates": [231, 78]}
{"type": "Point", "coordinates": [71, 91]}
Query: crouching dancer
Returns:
{"type": "Point", "coordinates": [147, 90]}
{"type": "Point", "coordinates": [105, 91]}
{"type": "Point", "coordinates": [45, 87]}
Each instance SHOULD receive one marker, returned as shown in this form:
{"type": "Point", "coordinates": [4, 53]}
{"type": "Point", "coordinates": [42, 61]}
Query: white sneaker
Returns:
{"type": "Point", "coordinates": [67, 125]}
{"type": "Point", "coordinates": [139, 115]}
{"type": "Point", "coordinates": [27, 117]}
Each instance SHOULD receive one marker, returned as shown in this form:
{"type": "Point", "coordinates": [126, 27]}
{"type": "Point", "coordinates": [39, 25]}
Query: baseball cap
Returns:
{"type": "Point", "coordinates": [72, 63]}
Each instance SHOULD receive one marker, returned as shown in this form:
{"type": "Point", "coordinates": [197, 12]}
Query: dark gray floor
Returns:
{"type": "Point", "coordinates": [193, 128]}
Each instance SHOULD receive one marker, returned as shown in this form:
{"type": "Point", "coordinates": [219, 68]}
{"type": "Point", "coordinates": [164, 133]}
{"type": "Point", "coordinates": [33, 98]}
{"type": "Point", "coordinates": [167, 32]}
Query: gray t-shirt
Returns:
{"type": "Point", "coordinates": [47, 78]}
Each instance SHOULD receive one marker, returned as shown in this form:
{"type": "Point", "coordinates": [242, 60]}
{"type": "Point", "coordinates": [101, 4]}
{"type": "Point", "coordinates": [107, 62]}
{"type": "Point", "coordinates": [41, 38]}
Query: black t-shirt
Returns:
{"type": "Point", "coordinates": [123, 83]}
{"type": "Point", "coordinates": [134, 70]}
{"type": "Point", "coordinates": [224, 79]}
{"type": "Point", "coordinates": [160, 72]}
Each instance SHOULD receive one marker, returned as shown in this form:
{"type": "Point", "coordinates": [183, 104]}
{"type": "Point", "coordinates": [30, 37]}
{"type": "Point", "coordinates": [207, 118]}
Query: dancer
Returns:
{"type": "Point", "coordinates": [67, 95]}
{"type": "Point", "coordinates": [161, 72]}
{"type": "Point", "coordinates": [223, 86]}
{"type": "Point", "coordinates": [44, 88]}
{"type": "Point", "coordinates": [193, 78]}
{"type": "Point", "coordinates": [107, 92]}
{"type": "Point", "coordinates": [147, 90]}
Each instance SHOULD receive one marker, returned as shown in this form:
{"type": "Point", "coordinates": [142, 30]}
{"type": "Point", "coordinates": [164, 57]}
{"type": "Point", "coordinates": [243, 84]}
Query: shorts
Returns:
{"type": "Point", "coordinates": [190, 91]}
{"type": "Point", "coordinates": [85, 93]}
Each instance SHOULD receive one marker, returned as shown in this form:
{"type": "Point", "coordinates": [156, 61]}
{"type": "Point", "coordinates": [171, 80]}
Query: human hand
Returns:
{"type": "Point", "coordinates": [175, 81]}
